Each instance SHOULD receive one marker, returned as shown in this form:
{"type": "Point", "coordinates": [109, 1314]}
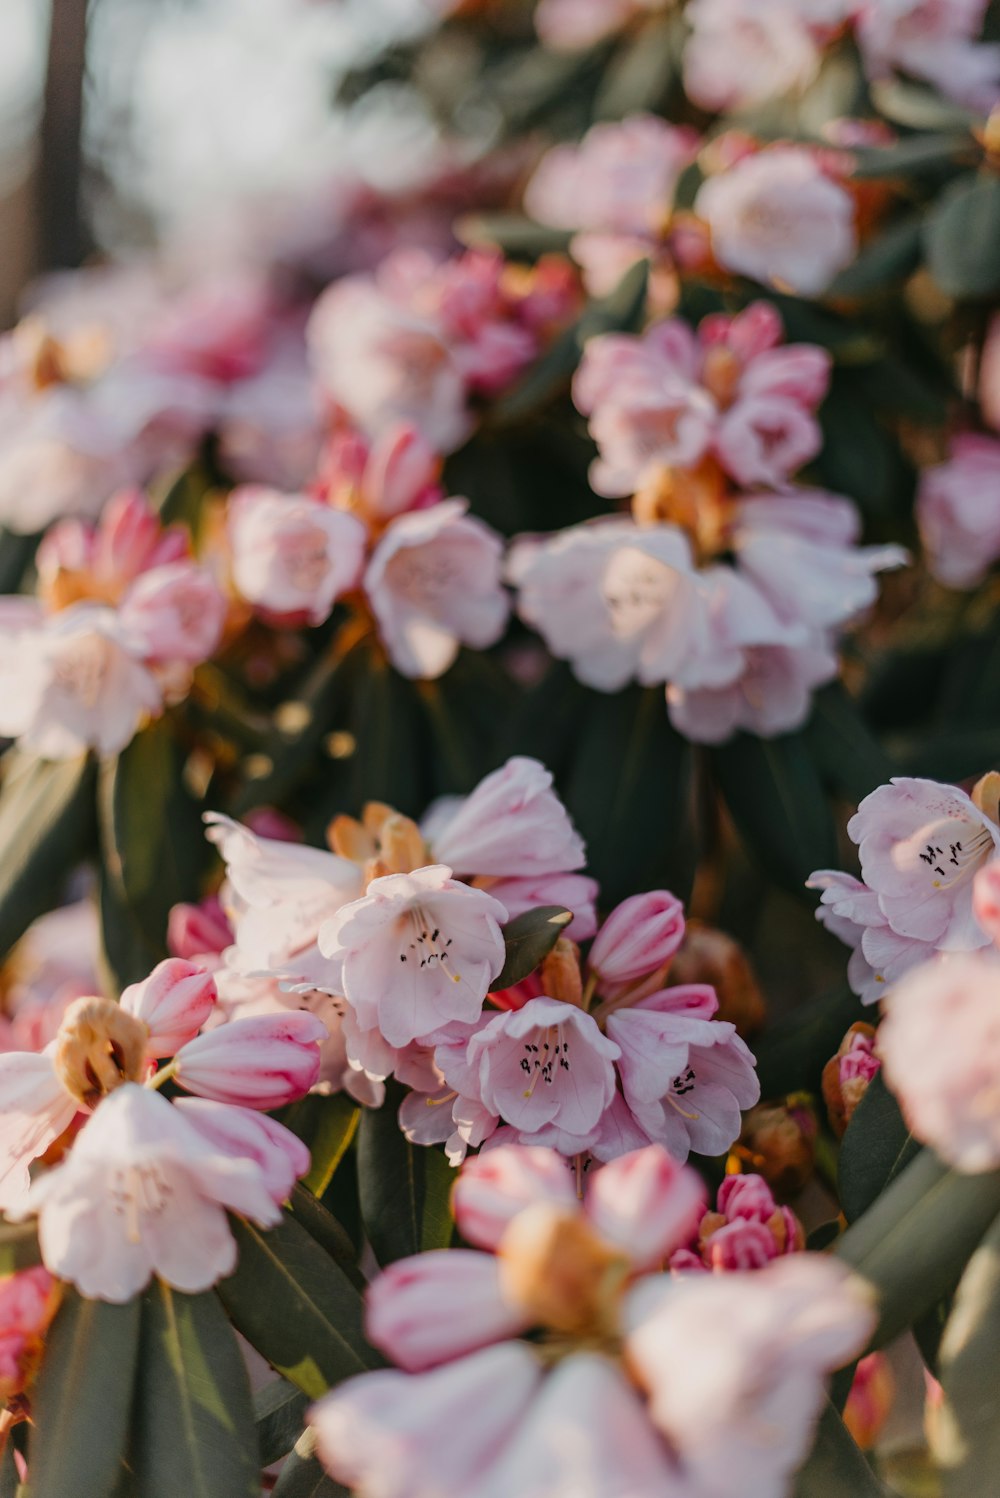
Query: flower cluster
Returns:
{"type": "Point", "coordinates": [122, 615]}
{"type": "Point", "coordinates": [138, 1184]}
{"type": "Point", "coordinates": [747, 1230]}
{"type": "Point", "coordinates": [600, 1390]}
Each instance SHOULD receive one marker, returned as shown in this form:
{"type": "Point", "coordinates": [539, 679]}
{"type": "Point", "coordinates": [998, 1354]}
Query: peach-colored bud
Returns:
{"type": "Point", "coordinates": [560, 1273]}
{"type": "Point", "coordinates": [401, 848]}
{"type": "Point", "coordinates": [847, 1074]}
{"type": "Point", "coordinates": [986, 795]}
{"type": "Point", "coordinates": [349, 839]}
{"type": "Point", "coordinates": [28, 1302]}
{"type": "Point", "coordinates": [560, 972]}
{"type": "Point", "coordinates": [710, 956]}
{"type": "Point", "coordinates": [640, 935]}
{"type": "Point", "coordinates": [779, 1142]}
{"type": "Point", "coordinates": [99, 1046]}
{"type": "Point", "coordinates": [870, 1400]}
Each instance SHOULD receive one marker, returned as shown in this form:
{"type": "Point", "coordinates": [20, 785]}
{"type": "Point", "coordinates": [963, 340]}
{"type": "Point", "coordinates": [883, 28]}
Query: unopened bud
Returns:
{"type": "Point", "coordinates": [779, 1142]}
{"type": "Point", "coordinates": [870, 1400]}
{"type": "Point", "coordinates": [349, 839]}
{"type": "Point", "coordinates": [99, 1046]}
{"type": "Point", "coordinates": [847, 1075]}
{"type": "Point", "coordinates": [560, 973]}
{"type": "Point", "coordinates": [560, 1273]}
{"type": "Point", "coordinates": [986, 795]}
{"type": "Point", "coordinates": [710, 956]}
{"type": "Point", "coordinates": [400, 846]}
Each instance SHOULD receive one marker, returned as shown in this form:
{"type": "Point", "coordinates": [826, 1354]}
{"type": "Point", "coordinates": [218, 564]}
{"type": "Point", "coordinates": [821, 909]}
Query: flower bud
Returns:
{"type": "Point", "coordinates": [28, 1302]}
{"type": "Point", "coordinates": [196, 930]}
{"type": "Point", "coordinates": [986, 899]}
{"type": "Point", "coordinates": [712, 957]}
{"type": "Point", "coordinates": [846, 1075]}
{"type": "Point", "coordinates": [173, 1003]}
{"type": "Point", "coordinates": [639, 936]}
{"type": "Point", "coordinates": [99, 1046]}
{"type": "Point", "coordinates": [779, 1142]}
{"type": "Point", "coordinates": [401, 848]}
{"type": "Point", "coordinates": [870, 1400]}
{"type": "Point", "coordinates": [262, 1062]}
{"type": "Point", "coordinates": [560, 1273]}
{"type": "Point", "coordinates": [560, 972]}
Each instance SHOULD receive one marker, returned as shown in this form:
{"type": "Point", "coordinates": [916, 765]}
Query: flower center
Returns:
{"type": "Point", "coordinates": [542, 1057]}
{"type": "Point", "coordinates": [681, 1085]}
{"type": "Point", "coordinates": [636, 588]}
{"type": "Point", "coordinates": [305, 561]}
{"type": "Point", "coordinates": [428, 951]}
{"type": "Point", "coordinates": [952, 863]}
{"type": "Point", "coordinates": [139, 1191]}
{"type": "Point", "coordinates": [420, 577]}
{"type": "Point", "coordinates": [81, 669]}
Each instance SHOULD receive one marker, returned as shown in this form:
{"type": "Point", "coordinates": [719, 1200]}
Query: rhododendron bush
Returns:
{"type": "Point", "coordinates": [500, 789]}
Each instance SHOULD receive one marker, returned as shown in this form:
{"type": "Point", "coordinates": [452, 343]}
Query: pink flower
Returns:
{"type": "Point", "coordinates": [637, 938]}
{"type": "Point", "coordinates": [28, 1301]}
{"type": "Point", "coordinates": [397, 472]}
{"type": "Point", "coordinates": [958, 511]}
{"type": "Point", "coordinates": [261, 1062]}
{"type": "Point", "coordinates": [747, 1399]}
{"type": "Point", "coordinates": [35, 1109]}
{"type": "Point", "coordinates": [281, 893]}
{"type": "Point", "coordinates": [433, 583]}
{"type": "Point", "coordinates": [416, 951]}
{"type": "Point", "coordinates": [142, 1193]}
{"type": "Point", "coordinates": [512, 825]}
{"type": "Point", "coordinates": [198, 930]}
{"type": "Point", "coordinates": [574, 892]}
{"type": "Point", "coordinates": [986, 900]}
{"type": "Point", "coordinates": [936, 40]}
{"type": "Point", "coordinates": [494, 1187]}
{"type": "Point", "coordinates": [920, 845]}
{"type": "Point", "coordinates": [245, 1134]}
{"type": "Point", "coordinates": [850, 911]}
{"type": "Point", "coordinates": [940, 1049]}
{"type": "Point", "coordinates": [75, 684]}
{"type": "Point", "coordinates": [174, 1002]}
{"type": "Point", "coordinates": [685, 1076]}
{"type": "Point", "coordinates": [546, 1063]}
{"type": "Point", "coordinates": [778, 218]}
{"type": "Point", "coordinates": [742, 53]}
{"type": "Point", "coordinates": [772, 694]}
{"type": "Point", "coordinates": [292, 555]}
{"type": "Point", "coordinates": [570, 25]}
{"type": "Point", "coordinates": [174, 613]}
{"type": "Point", "coordinates": [438, 1306]}
{"type": "Point", "coordinates": [404, 1435]}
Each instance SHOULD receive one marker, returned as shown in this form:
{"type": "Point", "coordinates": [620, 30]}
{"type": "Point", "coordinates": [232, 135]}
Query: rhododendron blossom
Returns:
{"type": "Point", "coordinates": [746, 1230]}
{"type": "Point", "coordinates": [597, 1394]}
{"type": "Point", "coordinates": [958, 511]}
{"type": "Point", "coordinates": [920, 845]}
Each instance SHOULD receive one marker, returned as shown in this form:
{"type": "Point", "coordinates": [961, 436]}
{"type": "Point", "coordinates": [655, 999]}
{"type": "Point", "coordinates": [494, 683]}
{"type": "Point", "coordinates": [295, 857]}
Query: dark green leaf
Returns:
{"type": "Point", "coordinates": [513, 233]}
{"type": "Point", "coordinates": [528, 938]}
{"type": "Point", "coordinates": [915, 1238]}
{"type": "Point", "coordinates": [919, 107]}
{"type": "Point", "coordinates": [876, 1147]}
{"type": "Point", "coordinates": [843, 746]}
{"type": "Point", "coordinates": [327, 1125]}
{"type": "Point", "coordinates": [46, 827]}
{"type": "Point", "coordinates": [19, 1247]}
{"type": "Point", "coordinates": [16, 553]}
{"type": "Point", "coordinates": [836, 1467]}
{"type": "Point", "coordinates": [321, 1224]}
{"type": "Point", "coordinates": [9, 1480]}
{"type": "Point", "coordinates": [303, 1477]}
{"type": "Point", "coordinates": [889, 257]}
{"type": "Point", "coordinates": [968, 1425]}
{"type": "Point", "coordinates": [193, 1430]}
{"type": "Point", "coordinates": [860, 456]}
{"type": "Point", "coordinates": [641, 72]}
{"type": "Point", "coordinates": [279, 1412]}
{"type": "Point", "coordinates": [404, 1188]}
{"type": "Point", "coordinates": [791, 1055]}
{"type": "Point", "coordinates": [83, 1398]}
{"type": "Point", "coordinates": [778, 803]}
{"type": "Point", "coordinates": [628, 790]}
{"type": "Point", "coordinates": [152, 838]}
{"type": "Point", "coordinates": [912, 155]}
{"type": "Point", "coordinates": [295, 1306]}
{"type": "Point", "coordinates": [962, 237]}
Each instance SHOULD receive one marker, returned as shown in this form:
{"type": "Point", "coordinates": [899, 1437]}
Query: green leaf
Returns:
{"type": "Point", "coordinates": [778, 803]}
{"type": "Point", "coordinates": [968, 1424]}
{"type": "Point", "coordinates": [193, 1429]}
{"type": "Point", "coordinates": [153, 842]}
{"type": "Point", "coordinates": [628, 791]}
{"type": "Point", "coordinates": [876, 1146]}
{"type": "Point", "coordinates": [83, 1398]}
{"type": "Point", "coordinates": [640, 74]}
{"type": "Point", "coordinates": [321, 1224]}
{"type": "Point", "coordinates": [792, 1054]}
{"type": "Point", "coordinates": [9, 1479]}
{"type": "Point", "coordinates": [918, 107]}
{"type": "Point", "coordinates": [912, 155]}
{"type": "Point", "coordinates": [16, 554]}
{"type": "Point", "coordinates": [846, 751]}
{"type": "Point", "coordinates": [327, 1125]}
{"type": "Point", "coordinates": [836, 1467]}
{"type": "Point", "coordinates": [528, 938]}
{"type": "Point", "coordinates": [303, 1477]}
{"type": "Point", "coordinates": [915, 1238]}
{"type": "Point", "coordinates": [295, 1306]}
{"type": "Point", "coordinates": [962, 237]}
{"type": "Point", "coordinates": [404, 1188]}
{"type": "Point", "coordinates": [514, 233]}
{"type": "Point", "coordinates": [19, 1246]}
{"type": "Point", "coordinates": [890, 257]}
{"type": "Point", "coordinates": [279, 1413]}
{"type": "Point", "coordinates": [46, 827]}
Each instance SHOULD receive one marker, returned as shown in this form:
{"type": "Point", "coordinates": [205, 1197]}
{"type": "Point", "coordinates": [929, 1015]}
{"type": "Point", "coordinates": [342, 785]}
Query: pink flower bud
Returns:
{"type": "Point", "coordinates": [986, 899]}
{"type": "Point", "coordinates": [401, 473]}
{"type": "Point", "coordinates": [436, 1306]}
{"type": "Point", "coordinates": [646, 1203]}
{"type": "Point", "coordinates": [262, 1062]}
{"type": "Point", "coordinates": [174, 1002]}
{"type": "Point", "coordinates": [684, 1260]}
{"type": "Point", "coordinates": [871, 1398]}
{"type": "Point", "coordinates": [196, 930]}
{"type": "Point", "coordinates": [493, 1188]}
{"type": "Point", "coordinates": [28, 1301]}
{"type": "Point", "coordinates": [747, 1196]}
{"type": "Point", "coordinates": [126, 537]}
{"type": "Point", "coordinates": [741, 1244]}
{"type": "Point", "coordinates": [248, 1135]}
{"type": "Point", "coordinates": [639, 936]}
